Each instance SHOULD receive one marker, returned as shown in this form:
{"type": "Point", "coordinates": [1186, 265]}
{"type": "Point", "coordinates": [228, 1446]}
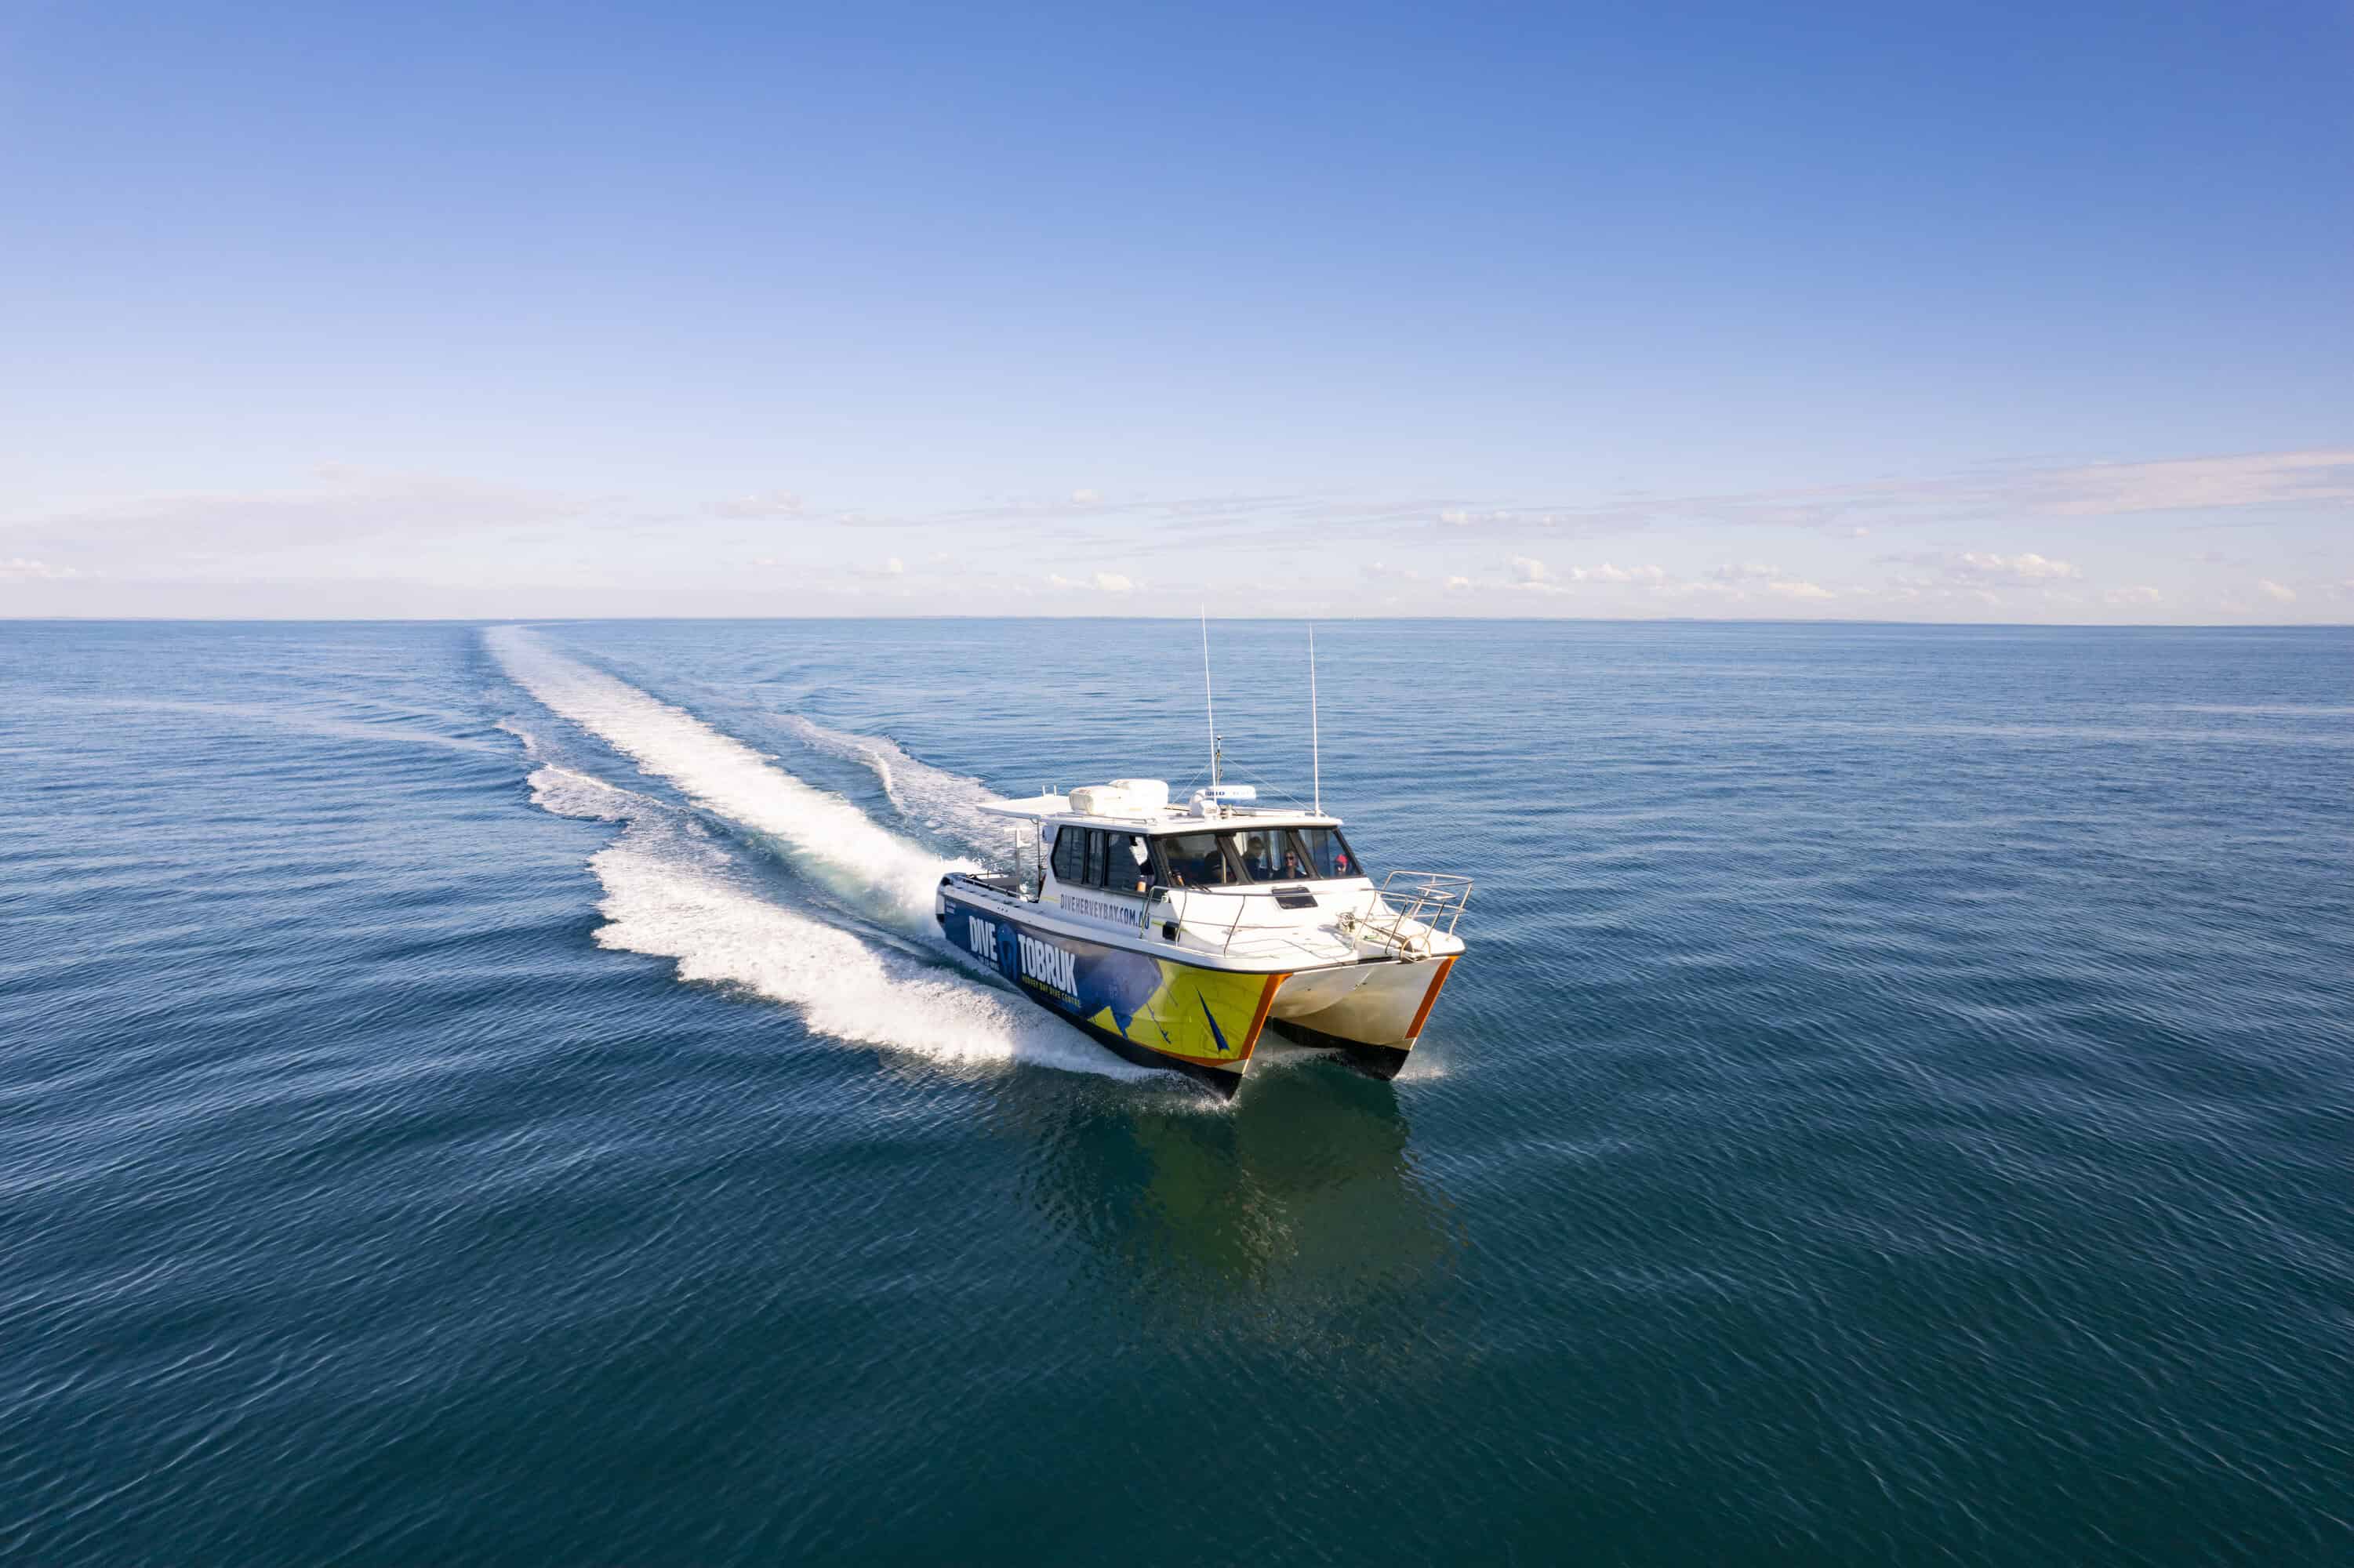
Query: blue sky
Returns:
{"type": "Point", "coordinates": [1977, 312]}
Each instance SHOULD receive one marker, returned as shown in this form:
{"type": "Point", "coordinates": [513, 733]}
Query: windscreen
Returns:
{"type": "Point", "coordinates": [1194, 860]}
{"type": "Point", "coordinates": [1269, 854]}
{"type": "Point", "coordinates": [1322, 853]}
{"type": "Point", "coordinates": [1256, 855]}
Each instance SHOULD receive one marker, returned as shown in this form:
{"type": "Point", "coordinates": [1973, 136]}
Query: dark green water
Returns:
{"type": "Point", "coordinates": [470, 1097]}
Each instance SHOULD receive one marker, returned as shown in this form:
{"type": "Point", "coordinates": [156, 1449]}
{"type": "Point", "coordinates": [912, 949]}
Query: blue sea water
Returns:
{"type": "Point", "coordinates": [494, 1095]}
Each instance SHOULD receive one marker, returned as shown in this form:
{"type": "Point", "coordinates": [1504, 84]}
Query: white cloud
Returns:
{"type": "Point", "coordinates": [1102, 582]}
{"type": "Point", "coordinates": [349, 524]}
{"type": "Point", "coordinates": [1972, 566]}
{"type": "Point", "coordinates": [1526, 572]}
{"type": "Point", "coordinates": [339, 505]}
{"type": "Point", "coordinates": [2318, 478]}
{"type": "Point", "coordinates": [1607, 572]}
{"type": "Point", "coordinates": [1733, 579]}
{"type": "Point", "coordinates": [763, 504]}
{"type": "Point", "coordinates": [1510, 518]}
{"type": "Point", "coordinates": [2254, 479]}
{"type": "Point", "coordinates": [1532, 576]}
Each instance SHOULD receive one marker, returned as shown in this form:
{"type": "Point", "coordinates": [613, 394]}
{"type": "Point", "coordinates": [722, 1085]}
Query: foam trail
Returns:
{"type": "Point", "coordinates": [828, 837]}
{"type": "Point", "coordinates": [922, 792]}
{"type": "Point", "coordinates": [670, 898]}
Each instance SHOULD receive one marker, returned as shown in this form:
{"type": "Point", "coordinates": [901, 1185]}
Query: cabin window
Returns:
{"type": "Point", "coordinates": [1269, 854]}
{"type": "Point", "coordinates": [1197, 860]}
{"type": "Point", "coordinates": [1324, 852]}
{"type": "Point", "coordinates": [1095, 857]}
{"type": "Point", "coordinates": [1071, 856]}
{"type": "Point", "coordinates": [1126, 865]}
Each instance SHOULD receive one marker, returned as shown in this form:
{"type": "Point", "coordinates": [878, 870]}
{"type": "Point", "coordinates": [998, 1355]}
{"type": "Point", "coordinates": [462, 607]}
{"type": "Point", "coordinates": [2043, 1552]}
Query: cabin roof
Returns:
{"type": "Point", "coordinates": [1170, 819]}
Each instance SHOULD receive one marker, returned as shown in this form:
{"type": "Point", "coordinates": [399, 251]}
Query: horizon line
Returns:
{"type": "Point", "coordinates": [1270, 620]}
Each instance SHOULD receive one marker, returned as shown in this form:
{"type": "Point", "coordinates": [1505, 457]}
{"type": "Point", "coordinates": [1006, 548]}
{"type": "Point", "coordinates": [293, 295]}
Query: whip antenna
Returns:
{"type": "Point", "coordinates": [1209, 700]}
{"type": "Point", "coordinates": [1315, 756]}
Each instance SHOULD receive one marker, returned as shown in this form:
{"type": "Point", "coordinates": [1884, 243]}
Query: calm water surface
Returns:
{"type": "Point", "coordinates": [481, 1095]}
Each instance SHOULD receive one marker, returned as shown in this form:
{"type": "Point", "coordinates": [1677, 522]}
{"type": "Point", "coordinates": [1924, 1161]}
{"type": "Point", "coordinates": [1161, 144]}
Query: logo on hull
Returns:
{"type": "Point", "coordinates": [982, 937]}
{"type": "Point", "coordinates": [1049, 965]}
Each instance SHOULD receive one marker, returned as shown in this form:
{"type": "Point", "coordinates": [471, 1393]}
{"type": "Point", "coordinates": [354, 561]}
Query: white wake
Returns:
{"type": "Point", "coordinates": [941, 799]}
{"type": "Point", "coordinates": [825, 835]}
{"type": "Point", "coordinates": [669, 896]}
{"type": "Point", "coordinates": [671, 890]}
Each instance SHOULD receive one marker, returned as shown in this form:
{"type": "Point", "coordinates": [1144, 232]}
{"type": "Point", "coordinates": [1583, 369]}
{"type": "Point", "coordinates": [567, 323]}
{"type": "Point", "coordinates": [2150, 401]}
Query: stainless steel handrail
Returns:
{"type": "Point", "coordinates": [1433, 900]}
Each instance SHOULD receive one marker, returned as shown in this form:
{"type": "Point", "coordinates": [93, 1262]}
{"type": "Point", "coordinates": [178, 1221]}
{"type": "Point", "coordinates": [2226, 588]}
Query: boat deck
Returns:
{"type": "Point", "coordinates": [1208, 922]}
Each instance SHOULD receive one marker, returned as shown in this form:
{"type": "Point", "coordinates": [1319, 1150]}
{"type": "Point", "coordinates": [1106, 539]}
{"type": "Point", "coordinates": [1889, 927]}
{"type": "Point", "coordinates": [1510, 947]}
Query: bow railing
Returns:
{"type": "Point", "coordinates": [1409, 909]}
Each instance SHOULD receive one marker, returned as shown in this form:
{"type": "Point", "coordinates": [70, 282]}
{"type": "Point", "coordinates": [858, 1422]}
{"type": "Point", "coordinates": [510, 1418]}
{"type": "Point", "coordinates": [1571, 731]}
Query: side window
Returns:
{"type": "Point", "coordinates": [1194, 860]}
{"type": "Point", "coordinates": [1125, 868]}
{"type": "Point", "coordinates": [1070, 856]}
{"type": "Point", "coordinates": [1095, 857]}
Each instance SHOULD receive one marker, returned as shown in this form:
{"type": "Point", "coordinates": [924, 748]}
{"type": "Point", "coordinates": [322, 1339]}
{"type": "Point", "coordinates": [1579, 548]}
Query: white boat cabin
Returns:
{"type": "Point", "coordinates": [1219, 874]}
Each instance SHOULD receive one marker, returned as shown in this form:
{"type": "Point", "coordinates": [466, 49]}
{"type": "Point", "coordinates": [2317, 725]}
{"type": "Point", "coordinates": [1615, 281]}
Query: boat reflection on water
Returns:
{"type": "Point", "coordinates": [1300, 1193]}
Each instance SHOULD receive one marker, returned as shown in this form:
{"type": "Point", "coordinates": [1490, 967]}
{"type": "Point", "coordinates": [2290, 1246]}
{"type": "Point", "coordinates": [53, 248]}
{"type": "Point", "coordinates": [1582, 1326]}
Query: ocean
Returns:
{"type": "Point", "coordinates": [495, 1094]}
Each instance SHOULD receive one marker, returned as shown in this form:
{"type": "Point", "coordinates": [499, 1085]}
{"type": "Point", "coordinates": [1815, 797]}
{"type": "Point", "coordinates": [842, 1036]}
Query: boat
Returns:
{"type": "Point", "coordinates": [1178, 932]}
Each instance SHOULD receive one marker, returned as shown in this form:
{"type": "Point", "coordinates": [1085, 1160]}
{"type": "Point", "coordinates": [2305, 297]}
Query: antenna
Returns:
{"type": "Point", "coordinates": [1315, 756]}
{"type": "Point", "coordinates": [1209, 700]}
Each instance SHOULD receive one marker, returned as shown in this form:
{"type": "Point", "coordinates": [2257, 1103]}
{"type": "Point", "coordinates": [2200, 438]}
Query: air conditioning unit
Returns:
{"type": "Point", "coordinates": [1149, 794]}
{"type": "Point", "coordinates": [1121, 798]}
